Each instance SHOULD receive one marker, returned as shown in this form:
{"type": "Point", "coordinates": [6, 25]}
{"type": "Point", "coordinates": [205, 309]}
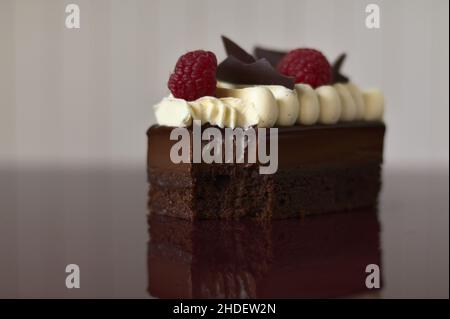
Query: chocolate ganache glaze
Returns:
{"type": "Point", "coordinates": [315, 146]}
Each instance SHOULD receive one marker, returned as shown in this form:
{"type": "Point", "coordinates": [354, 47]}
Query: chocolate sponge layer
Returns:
{"type": "Point", "coordinates": [321, 169]}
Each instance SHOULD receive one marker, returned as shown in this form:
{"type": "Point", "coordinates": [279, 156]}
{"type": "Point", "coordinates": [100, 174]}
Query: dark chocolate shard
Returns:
{"type": "Point", "coordinates": [338, 77]}
{"type": "Point", "coordinates": [242, 68]}
{"type": "Point", "coordinates": [274, 57]}
{"type": "Point", "coordinates": [260, 72]}
{"type": "Point", "coordinates": [232, 49]}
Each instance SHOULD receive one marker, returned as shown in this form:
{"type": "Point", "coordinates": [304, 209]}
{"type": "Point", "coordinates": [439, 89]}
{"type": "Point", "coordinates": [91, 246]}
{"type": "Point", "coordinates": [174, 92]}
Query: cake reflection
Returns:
{"type": "Point", "coordinates": [317, 257]}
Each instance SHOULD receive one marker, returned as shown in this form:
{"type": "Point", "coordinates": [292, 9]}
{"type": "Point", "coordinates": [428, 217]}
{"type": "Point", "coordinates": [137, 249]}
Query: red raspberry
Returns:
{"type": "Point", "coordinates": [306, 66]}
{"type": "Point", "coordinates": [194, 75]}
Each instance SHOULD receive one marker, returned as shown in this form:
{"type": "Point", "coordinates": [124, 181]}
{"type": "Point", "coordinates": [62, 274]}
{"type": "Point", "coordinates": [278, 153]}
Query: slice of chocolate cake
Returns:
{"type": "Point", "coordinates": [303, 139]}
{"type": "Point", "coordinates": [320, 169]}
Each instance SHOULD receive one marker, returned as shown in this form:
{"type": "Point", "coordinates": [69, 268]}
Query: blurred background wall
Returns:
{"type": "Point", "coordinates": [85, 96]}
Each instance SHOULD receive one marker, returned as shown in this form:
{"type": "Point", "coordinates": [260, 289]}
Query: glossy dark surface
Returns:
{"type": "Point", "coordinates": [322, 256]}
{"type": "Point", "coordinates": [97, 218]}
{"type": "Point", "coordinates": [343, 143]}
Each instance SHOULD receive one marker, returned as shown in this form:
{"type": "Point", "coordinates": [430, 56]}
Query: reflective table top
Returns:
{"type": "Point", "coordinates": [97, 219]}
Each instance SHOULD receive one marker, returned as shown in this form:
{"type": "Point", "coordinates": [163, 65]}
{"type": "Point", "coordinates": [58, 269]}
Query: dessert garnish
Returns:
{"type": "Point", "coordinates": [260, 72]}
{"type": "Point", "coordinates": [337, 76]}
{"type": "Point", "coordinates": [232, 49]}
{"type": "Point", "coordinates": [245, 91]}
{"type": "Point", "coordinates": [306, 66]}
{"type": "Point", "coordinates": [273, 56]}
{"type": "Point", "coordinates": [238, 68]}
{"type": "Point", "coordinates": [194, 76]}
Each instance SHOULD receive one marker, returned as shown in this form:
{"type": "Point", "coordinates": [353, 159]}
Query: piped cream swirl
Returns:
{"type": "Point", "coordinates": [260, 98]}
{"type": "Point", "coordinates": [309, 107]}
{"type": "Point", "coordinates": [273, 105]}
{"type": "Point", "coordinates": [224, 112]}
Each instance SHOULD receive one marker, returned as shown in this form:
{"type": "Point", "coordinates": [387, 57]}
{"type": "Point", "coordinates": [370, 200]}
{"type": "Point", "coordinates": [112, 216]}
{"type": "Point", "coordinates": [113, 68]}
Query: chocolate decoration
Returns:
{"type": "Point", "coordinates": [274, 57]}
{"type": "Point", "coordinates": [241, 67]}
{"type": "Point", "coordinates": [337, 76]}
{"type": "Point", "coordinates": [260, 72]}
{"type": "Point", "coordinates": [232, 49]}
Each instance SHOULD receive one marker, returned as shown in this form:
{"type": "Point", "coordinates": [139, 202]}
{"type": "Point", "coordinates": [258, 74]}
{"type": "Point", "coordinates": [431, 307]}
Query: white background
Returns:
{"type": "Point", "coordinates": [85, 96]}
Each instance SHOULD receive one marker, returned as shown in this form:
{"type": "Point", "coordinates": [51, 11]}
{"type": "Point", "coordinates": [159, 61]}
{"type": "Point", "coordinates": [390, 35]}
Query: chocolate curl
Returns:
{"type": "Point", "coordinates": [273, 56]}
{"type": "Point", "coordinates": [260, 72]}
{"type": "Point", "coordinates": [242, 68]}
{"type": "Point", "coordinates": [232, 49]}
{"type": "Point", "coordinates": [338, 77]}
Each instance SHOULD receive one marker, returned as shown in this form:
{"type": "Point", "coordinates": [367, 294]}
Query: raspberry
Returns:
{"type": "Point", "coordinates": [306, 66]}
{"type": "Point", "coordinates": [194, 75]}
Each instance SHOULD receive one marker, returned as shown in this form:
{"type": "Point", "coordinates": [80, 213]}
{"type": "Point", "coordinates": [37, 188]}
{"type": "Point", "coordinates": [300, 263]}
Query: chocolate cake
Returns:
{"type": "Point", "coordinates": [321, 169]}
{"type": "Point", "coordinates": [320, 257]}
{"type": "Point", "coordinates": [327, 136]}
